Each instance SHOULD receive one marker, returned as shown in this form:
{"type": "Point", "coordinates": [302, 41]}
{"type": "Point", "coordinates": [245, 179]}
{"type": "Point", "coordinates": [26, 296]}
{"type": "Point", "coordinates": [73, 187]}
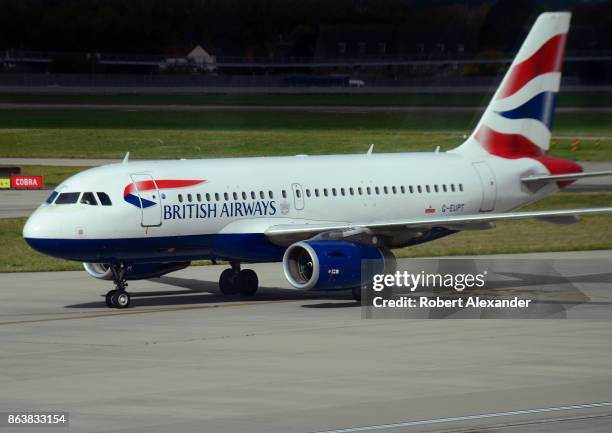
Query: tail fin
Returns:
{"type": "Point", "coordinates": [518, 121]}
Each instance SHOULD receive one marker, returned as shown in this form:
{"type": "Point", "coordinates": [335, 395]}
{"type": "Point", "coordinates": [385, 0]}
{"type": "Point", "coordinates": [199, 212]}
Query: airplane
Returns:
{"type": "Point", "coordinates": [318, 215]}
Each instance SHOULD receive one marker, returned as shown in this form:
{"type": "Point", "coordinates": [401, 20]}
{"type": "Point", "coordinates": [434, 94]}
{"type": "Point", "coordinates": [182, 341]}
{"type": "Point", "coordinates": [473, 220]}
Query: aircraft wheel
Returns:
{"type": "Point", "coordinates": [227, 282]}
{"type": "Point", "coordinates": [120, 299]}
{"type": "Point", "coordinates": [248, 282]}
{"type": "Point", "coordinates": [108, 299]}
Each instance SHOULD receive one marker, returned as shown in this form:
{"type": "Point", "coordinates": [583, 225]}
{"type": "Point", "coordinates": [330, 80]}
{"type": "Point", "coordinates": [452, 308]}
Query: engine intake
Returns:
{"type": "Point", "coordinates": [331, 264]}
{"type": "Point", "coordinates": [137, 271]}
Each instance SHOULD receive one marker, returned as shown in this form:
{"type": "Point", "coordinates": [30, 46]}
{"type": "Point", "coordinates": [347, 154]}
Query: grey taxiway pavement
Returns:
{"type": "Point", "coordinates": [186, 359]}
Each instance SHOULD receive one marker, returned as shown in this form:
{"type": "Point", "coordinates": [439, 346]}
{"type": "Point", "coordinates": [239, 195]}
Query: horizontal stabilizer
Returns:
{"type": "Point", "coordinates": [560, 177]}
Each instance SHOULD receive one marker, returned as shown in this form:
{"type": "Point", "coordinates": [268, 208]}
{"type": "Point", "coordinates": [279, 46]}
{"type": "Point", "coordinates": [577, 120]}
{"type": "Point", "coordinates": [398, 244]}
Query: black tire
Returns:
{"type": "Point", "coordinates": [248, 282]}
{"type": "Point", "coordinates": [108, 299]}
{"type": "Point", "coordinates": [121, 299]}
{"type": "Point", "coordinates": [227, 282]}
{"type": "Point", "coordinates": [356, 292]}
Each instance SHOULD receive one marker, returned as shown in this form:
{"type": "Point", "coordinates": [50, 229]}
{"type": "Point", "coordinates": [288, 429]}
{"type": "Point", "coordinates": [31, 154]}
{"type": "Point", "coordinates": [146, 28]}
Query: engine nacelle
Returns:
{"type": "Point", "coordinates": [98, 270]}
{"type": "Point", "coordinates": [138, 271]}
{"type": "Point", "coordinates": [332, 265]}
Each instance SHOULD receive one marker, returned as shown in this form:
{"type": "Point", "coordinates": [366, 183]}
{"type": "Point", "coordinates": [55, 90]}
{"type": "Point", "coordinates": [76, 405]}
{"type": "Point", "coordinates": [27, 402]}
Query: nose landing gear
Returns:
{"type": "Point", "coordinates": [234, 281]}
{"type": "Point", "coordinates": [118, 297]}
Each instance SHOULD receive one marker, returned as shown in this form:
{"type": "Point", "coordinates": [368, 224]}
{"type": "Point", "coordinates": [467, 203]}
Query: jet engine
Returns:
{"type": "Point", "coordinates": [138, 271]}
{"type": "Point", "coordinates": [333, 264]}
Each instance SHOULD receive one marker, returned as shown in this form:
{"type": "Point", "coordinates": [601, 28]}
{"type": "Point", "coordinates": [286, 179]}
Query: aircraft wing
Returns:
{"type": "Point", "coordinates": [455, 222]}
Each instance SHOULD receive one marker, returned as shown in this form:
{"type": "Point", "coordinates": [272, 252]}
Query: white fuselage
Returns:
{"type": "Point", "coordinates": [244, 196]}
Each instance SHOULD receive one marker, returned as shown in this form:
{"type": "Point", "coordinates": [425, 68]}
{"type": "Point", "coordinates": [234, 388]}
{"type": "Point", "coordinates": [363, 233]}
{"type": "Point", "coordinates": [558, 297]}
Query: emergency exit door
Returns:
{"type": "Point", "coordinates": [298, 196]}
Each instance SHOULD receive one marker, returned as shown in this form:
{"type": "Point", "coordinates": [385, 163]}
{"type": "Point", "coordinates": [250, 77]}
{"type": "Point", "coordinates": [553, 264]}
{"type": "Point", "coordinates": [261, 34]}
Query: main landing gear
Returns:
{"type": "Point", "coordinates": [234, 281]}
{"type": "Point", "coordinates": [118, 298]}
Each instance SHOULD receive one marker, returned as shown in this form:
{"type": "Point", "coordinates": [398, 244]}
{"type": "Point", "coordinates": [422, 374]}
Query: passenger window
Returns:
{"type": "Point", "coordinates": [284, 193]}
{"type": "Point", "coordinates": [52, 197]}
{"type": "Point", "coordinates": [402, 189]}
{"type": "Point", "coordinates": [461, 187]}
{"type": "Point", "coordinates": [359, 190]}
{"type": "Point", "coordinates": [89, 198]}
{"type": "Point", "coordinates": [104, 199]}
{"type": "Point", "coordinates": [351, 191]}
{"type": "Point", "coordinates": [342, 191]}
{"type": "Point", "coordinates": [394, 190]}
{"type": "Point", "coordinates": [253, 196]}
{"type": "Point", "coordinates": [444, 187]}
{"type": "Point", "coordinates": [235, 195]}
{"type": "Point", "coordinates": [244, 195]}
{"type": "Point", "coordinates": [316, 192]}
{"type": "Point", "coordinates": [199, 197]}
{"type": "Point", "coordinates": [307, 192]}
{"type": "Point", "coordinates": [419, 190]}
{"type": "Point", "coordinates": [436, 188]}
{"type": "Point", "coordinates": [325, 192]}
{"type": "Point", "coordinates": [226, 196]}
{"type": "Point", "coordinates": [369, 190]}
{"type": "Point", "coordinates": [411, 189]}
{"type": "Point", "coordinates": [189, 198]}
{"type": "Point", "coordinates": [452, 187]}
{"type": "Point", "coordinates": [272, 195]}
{"type": "Point", "coordinates": [427, 188]}
{"type": "Point", "coordinates": [262, 195]}
{"type": "Point", "coordinates": [217, 196]}
{"type": "Point", "coordinates": [334, 192]}
{"type": "Point", "coordinates": [377, 190]}
{"type": "Point", "coordinates": [180, 197]}
{"type": "Point", "coordinates": [68, 198]}
{"type": "Point", "coordinates": [298, 193]}
{"type": "Point", "coordinates": [207, 196]}
{"type": "Point", "coordinates": [385, 190]}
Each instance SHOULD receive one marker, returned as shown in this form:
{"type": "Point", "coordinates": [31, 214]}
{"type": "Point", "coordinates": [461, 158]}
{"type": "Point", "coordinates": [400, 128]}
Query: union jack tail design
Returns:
{"type": "Point", "coordinates": [518, 121]}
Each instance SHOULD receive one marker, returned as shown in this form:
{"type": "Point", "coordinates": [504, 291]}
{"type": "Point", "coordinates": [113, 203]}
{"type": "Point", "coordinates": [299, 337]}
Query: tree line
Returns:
{"type": "Point", "coordinates": [280, 27]}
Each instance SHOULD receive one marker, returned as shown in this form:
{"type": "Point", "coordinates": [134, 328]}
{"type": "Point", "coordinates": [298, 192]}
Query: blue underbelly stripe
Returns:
{"type": "Point", "coordinates": [243, 247]}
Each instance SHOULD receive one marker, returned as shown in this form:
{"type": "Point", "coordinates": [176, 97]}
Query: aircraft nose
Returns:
{"type": "Point", "coordinates": [36, 234]}
{"type": "Point", "coordinates": [54, 234]}
{"type": "Point", "coordinates": [33, 227]}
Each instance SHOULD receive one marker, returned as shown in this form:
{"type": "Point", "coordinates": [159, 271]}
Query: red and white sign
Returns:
{"type": "Point", "coordinates": [26, 182]}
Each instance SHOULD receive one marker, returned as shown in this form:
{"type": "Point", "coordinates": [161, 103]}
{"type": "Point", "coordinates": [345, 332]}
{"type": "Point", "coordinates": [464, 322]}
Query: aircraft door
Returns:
{"type": "Point", "coordinates": [298, 196]}
{"type": "Point", "coordinates": [150, 200]}
{"type": "Point", "coordinates": [489, 186]}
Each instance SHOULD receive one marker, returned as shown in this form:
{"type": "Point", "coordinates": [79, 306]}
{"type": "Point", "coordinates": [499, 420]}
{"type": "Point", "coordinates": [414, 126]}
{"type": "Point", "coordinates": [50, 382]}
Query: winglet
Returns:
{"type": "Point", "coordinates": [126, 158]}
{"type": "Point", "coordinates": [370, 149]}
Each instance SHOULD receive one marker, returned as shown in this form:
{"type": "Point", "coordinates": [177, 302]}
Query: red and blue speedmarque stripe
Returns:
{"type": "Point", "coordinates": [130, 193]}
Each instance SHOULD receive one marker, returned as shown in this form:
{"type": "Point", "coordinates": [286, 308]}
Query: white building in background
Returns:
{"type": "Point", "coordinates": [198, 59]}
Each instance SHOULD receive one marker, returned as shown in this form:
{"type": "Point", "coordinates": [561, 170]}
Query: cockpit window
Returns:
{"type": "Point", "coordinates": [68, 198]}
{"type": "Point", "coordinates": [104, 199]}
{"type": "Point", "coordinates": [89, 198]}
{"type": "Point", "coordinates": [52, 197]}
